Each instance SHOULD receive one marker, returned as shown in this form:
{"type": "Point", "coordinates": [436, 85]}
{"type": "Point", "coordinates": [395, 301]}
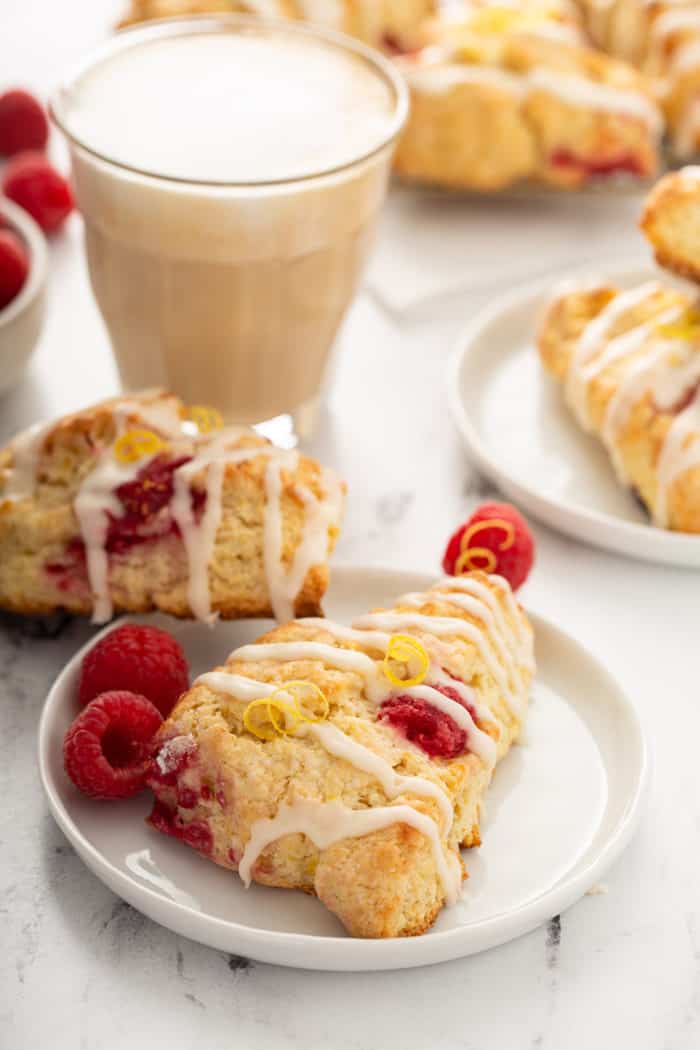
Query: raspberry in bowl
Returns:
{"type": "Point", "coordinates": [23, 272]}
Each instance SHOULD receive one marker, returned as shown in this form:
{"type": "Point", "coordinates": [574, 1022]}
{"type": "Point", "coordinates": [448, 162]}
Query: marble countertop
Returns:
{"type": "Point", "coordinates": [80, 968]}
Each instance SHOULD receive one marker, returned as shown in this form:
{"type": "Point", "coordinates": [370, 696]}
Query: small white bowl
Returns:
{"type": "Point", "coordinates": [21, 319]}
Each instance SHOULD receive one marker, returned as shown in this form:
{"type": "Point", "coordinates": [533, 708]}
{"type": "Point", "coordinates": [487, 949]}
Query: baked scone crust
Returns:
{"type": "Point", "coordinates": [43, 562]}
{"type": "Point", "coordinates": [671, 222]}
{"type": "Point", "coordinates": [489, 109]}
{"type": "Point", "coordinates": [634, 381]}
{"type": "Point", "coordinates": [216, 782]}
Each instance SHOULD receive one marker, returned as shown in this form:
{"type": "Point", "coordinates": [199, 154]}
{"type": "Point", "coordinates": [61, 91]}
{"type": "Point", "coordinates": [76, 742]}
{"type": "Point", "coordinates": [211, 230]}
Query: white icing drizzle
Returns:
{"type": "Point", "coordinates": [378, 640]}
{"type": "Point", "coordinates": [592, 340]}
{"type": "Point", "coordinates": [590, 93]}
{"type": "Point", "coordinates": [442, 626]}
{"type": "Point", "coordinates": [341, 745]}
{"type": "Point", "coordinates": [681, 452]}
{"type": "Point", "coordinates": [330, 655]}
{"type": "Point", "coordinates": [517, 637]}
{"type": "Point", "coordinates": [95, 501]}
{"type": "Point", "coordinates": [325, 823]}
{"type": "Point", "coordinates": [26, 449]}
{"type": "Point", "coordinates": [575, 90]}
{"type": "Point", "coordinates": [336, 743]}
{"type": "Point", "coordinates": [475, 606]}
{"type": "Point", "coordinates": [477, 741]}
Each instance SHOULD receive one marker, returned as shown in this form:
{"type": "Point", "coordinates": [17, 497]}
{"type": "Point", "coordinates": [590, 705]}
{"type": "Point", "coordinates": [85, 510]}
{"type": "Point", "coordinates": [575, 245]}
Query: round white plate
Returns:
{"type": "Point", "coordinates": [522, 436]}
{"type": "Point", "coordinates": [562, 806]}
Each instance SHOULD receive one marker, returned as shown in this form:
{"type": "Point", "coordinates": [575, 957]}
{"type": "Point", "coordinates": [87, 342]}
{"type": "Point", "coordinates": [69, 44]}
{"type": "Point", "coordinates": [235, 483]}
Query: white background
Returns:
{"type": "Point", "coordinates": [79, 969]}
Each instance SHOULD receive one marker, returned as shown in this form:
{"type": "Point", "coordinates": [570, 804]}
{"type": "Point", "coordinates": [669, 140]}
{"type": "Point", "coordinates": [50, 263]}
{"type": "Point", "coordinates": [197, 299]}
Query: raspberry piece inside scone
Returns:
{"type": "Point", "coordinates": [107, 750]}
{"type": "Point", "coordinates": [140, 659]}
{"type": "Point", "coordinates": [196, 833]}
{"type": "Point", "coordinates": [424, 725]}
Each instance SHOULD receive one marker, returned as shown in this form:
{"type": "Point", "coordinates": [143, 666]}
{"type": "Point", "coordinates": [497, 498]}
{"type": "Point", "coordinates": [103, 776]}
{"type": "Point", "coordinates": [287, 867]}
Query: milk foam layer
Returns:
{"type": "Point", "coordinates": [250, 105]}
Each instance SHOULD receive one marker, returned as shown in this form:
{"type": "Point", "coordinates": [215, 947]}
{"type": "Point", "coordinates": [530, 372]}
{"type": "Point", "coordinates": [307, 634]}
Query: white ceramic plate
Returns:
{"type": "Point", "coordinates": [561, 808]}
{"type": "Point", "coordinates": [520, 433]}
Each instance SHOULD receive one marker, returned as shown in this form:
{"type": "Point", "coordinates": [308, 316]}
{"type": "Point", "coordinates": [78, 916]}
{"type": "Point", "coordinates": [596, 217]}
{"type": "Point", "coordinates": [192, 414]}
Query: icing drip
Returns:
{"type": "Point", "coordinates": [513, 630]}
{"type": "Point", "coordinates": [476, 607]}
{"type": "Point", "coordinates": [593, 339]}
{"type": "Point", "coordinates": [330, 655]}
{"type": "Point", "coordinates": [572, 89]}
{"type": "Point", "coordinates": [445, 625]}
{"type": "Point", "coordinates": [681, 452]}
{"type": "Point", "coordinates": [325, 823]}
{"type": "Point", "coordinates": [336, 743]}
{"type": "Point", "coordinates": [93, 505]}
{"type": "Point", "coordinates": [199, 537]}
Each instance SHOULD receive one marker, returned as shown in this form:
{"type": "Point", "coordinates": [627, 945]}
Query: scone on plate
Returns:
{"type": "Point", "coordinates": [508, 93]}
{"type": "Point", "coordinates": [137, 504]}
{"type": "Point", "coordinates": [671, 222]}
{"type": "Point", "coordinates": [662, 38]}
{"type": "Point", "coordinates": [629, 362]}
{"type": "Point", "coordinates": [351, 762]}
{"type": "Point", "coordinates": [392, 25]}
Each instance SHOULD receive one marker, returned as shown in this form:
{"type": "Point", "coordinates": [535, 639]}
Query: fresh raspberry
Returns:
{"type": "Point", "coordinates": [14, 266]}
{"type": "Point", "coordinates": [141, 659]}
{"type": "Point", "coordinates": [511, 555]}
{"type": "Point", "coordinates": [23, 123]}
{"type": "Point", "coordinates": [36, 186]}
{"type": "Point", "coordinates": [107, 750]}
{"type": "Point", "coordinates": [426, 726]}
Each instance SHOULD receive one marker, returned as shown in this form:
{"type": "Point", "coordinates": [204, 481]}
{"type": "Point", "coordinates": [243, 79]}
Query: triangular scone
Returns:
{"type": "Point", "coordinates": [510, 92]}
{"type": "Point", "coordinates": [629, 361]}
{"type": "Point", "coordinates": [366, 807]}
{"type": "Point", "coordinates": [129, 505]}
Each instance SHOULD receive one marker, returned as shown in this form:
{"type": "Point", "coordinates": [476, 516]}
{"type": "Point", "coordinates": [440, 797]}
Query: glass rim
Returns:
{"type": "Point", "coordinates": [212, 23]}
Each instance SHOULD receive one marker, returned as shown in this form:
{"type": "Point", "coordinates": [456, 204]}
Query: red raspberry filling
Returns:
{"type": "Point", "coordinates": [624, 162]}
{"type": "Point", "coordinates": [683, 402]}
{"type": "Point", "coordinates": [141, 659]}
{"type": "Point", "coordinates": [146, 502]}
{"type": "Point", "coordinates": [107, 750]}
{"type": "Point", "coordinates": [196, 833]}
{"type": "Point", "coordinates": [424, 725]}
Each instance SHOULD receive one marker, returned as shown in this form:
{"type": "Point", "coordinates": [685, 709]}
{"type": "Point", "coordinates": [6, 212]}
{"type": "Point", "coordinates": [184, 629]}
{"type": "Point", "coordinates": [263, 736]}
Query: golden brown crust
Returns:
{"type": "Point", "coordinates": [385, 883]}
{"type": "Point", "coordinates": [636, 445]}
{"type": "Point", "coordinates": [42, 566]}
{"type": "Point", "coordinates": [671, 222]}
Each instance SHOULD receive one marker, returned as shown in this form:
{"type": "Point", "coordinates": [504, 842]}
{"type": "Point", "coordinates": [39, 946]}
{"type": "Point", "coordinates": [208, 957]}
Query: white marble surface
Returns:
{"type": "Point", "coordinates": [79, 968]}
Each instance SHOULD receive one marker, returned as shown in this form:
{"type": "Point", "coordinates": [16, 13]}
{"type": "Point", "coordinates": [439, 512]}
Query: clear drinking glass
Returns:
{"type": "Point", "coordinates": [227, 293]}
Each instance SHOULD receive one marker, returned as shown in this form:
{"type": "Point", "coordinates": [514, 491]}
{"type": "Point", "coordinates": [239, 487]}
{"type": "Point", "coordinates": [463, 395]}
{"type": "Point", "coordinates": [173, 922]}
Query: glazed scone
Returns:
{"type": "Point", "coordinates": [368, 806]}
{"type": "Point", "coordinates": [392, 25]}
{"type": "Point", "coordinates": [671, 222]}
{"type": "Point", "coordinates": [500, 97]}
{"type": "Point", "coordinates": [662, 38]}
{"type": "Point", "coordinates": [629, 362]}
{"type": "Point", "coordinates": [131, 505]}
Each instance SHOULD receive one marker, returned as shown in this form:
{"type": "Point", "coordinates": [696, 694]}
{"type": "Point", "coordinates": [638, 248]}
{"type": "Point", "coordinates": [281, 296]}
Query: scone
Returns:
{"type": "Point", "coordinates": [671, 222]}
{"type": "Point", "coordinates": [662, 38]}
{"type": "Point", "coordinates": [351, 763]}
{"type": "Point", "coordinates": [629, 362]}
{"type": "Point", "coordinates": [392, 25]}
{"type": "Point", "coordinates": [135, 504]}
{"type": "Point", "coordinates": [505, 94]}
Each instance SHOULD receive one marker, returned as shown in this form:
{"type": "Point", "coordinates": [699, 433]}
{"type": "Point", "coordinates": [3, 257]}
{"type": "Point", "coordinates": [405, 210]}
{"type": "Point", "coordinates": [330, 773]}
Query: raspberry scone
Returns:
{"type": "Point", "coordinates": [671, 222]}
{"type": "Point", "coordinates": [662, 38]}
{"type": "Point", "coordinates": [629, 362]}
{"type": "Point", "coordinates": [507, 93]}
{"type": "Point", "coordinates": [351, 762]}
{"type": "Point", "coordinates": [392, 25]}
{"type": "Point", "coordinates": [137, 504]}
